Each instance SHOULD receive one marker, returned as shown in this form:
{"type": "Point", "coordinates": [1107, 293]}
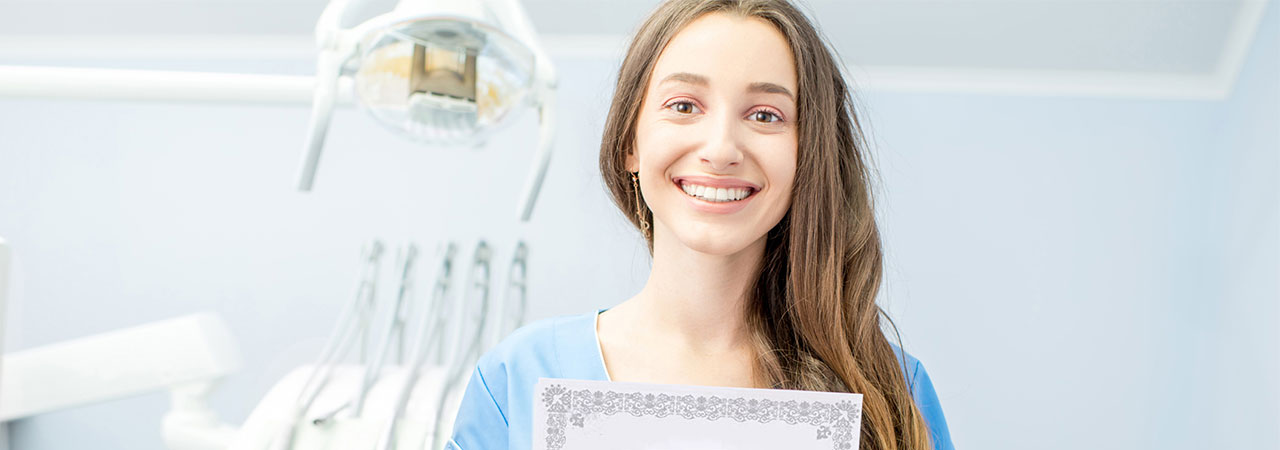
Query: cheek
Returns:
{"type": "Point", "coordinates": [780, 161]}
{"type": "Point", "coordinates": [781, 170]}
{"type": "Point", "coordinates": [658, 143]}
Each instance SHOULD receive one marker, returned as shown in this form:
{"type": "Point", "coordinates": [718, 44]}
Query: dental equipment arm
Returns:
{"type": "Point", "coordinates": [186, 355]}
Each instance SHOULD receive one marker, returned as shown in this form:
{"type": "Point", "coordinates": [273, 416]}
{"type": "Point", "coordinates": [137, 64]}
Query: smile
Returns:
{"type": "Point", "coordinates": [716, 195]}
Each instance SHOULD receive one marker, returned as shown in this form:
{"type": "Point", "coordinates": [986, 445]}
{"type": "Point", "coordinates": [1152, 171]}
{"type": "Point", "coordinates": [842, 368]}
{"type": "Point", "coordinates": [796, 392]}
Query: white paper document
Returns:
{"type": "Point", "coordinates": [594, 415]}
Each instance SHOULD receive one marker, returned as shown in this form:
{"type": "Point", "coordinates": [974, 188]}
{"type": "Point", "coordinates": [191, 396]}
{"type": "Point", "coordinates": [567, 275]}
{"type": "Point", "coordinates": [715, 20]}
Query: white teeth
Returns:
{"type": "Point", "coordinates": [715, 194]}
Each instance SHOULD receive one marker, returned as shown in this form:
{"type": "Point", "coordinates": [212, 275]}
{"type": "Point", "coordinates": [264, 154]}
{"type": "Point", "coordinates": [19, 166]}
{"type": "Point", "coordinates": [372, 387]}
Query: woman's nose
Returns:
{"type": "Point", "coordinates": [722, 149]}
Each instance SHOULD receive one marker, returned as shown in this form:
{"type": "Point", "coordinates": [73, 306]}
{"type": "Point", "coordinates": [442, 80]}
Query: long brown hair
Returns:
{"type": "Point", "coordinates": [814, 318]}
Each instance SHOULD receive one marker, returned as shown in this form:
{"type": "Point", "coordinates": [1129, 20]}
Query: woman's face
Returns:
{"type": "Point", "coordinates": [718, 122]}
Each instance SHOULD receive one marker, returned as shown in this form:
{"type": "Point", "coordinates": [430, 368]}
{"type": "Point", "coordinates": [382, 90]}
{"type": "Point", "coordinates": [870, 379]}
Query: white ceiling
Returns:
{"type": "Point", "coordinates": [1143, 48]}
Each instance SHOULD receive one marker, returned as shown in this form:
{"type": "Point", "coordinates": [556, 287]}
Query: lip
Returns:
{"type": "Point", "coordinates": [720, 207]}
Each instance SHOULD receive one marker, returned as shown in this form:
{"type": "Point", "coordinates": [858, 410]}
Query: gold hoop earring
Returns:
{"type": "Point", "coordinates": [644, 223]}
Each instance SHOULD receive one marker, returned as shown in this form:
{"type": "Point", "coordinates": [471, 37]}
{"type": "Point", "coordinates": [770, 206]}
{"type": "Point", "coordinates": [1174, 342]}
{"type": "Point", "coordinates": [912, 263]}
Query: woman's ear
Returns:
{"type": "Point", "coordinates": [633, 163]}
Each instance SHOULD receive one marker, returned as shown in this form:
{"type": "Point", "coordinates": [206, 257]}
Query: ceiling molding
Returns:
{"type": "Point", "coordinates": [1243, 33]}
{"type": "Point", "coordinates": [1215, 84]}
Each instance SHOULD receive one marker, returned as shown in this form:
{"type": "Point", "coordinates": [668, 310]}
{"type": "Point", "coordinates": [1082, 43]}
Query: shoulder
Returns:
{"type": "Point", "coordinates": [499, 393]}
{"type": "Point", "coordinates": [925, 396]}
{"type": "Point", "coordinates": [549, 347]}
{"type": "Point", "coordinates": [535, 338]}
{"type": "Point", "coordinates": [529, 351]}
{"type": "Point", "coordinates": [909, 364]}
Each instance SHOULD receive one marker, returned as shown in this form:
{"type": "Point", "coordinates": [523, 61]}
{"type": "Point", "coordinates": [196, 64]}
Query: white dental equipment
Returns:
{"type": "Point", "coordinates": [4, 300]}
{"type": "Point", "coordinates": [442, 72]}
{"type": "Point", "coordinates": [187, 356]}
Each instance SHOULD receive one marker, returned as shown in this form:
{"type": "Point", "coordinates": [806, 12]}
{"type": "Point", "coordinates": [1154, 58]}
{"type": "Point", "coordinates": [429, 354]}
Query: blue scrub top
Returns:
{"type": "Point", "coordinates": [497, 406]}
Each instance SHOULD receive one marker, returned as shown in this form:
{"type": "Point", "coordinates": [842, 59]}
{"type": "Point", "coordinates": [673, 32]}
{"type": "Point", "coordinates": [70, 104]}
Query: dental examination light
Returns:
{"type": "Point", "coordinates": [441, 72]}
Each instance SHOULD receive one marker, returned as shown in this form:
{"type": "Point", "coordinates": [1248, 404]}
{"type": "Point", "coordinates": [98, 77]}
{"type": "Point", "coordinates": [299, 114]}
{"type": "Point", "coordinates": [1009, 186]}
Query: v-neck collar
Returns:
{"type": "Point", "coordinates": [577, 347]}
{"type": "Point", "coordinates": [595, 336]}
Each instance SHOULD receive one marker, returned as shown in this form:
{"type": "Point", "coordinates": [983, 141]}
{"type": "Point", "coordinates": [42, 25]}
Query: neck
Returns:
{"type": "Point", "coordinates": [699, 299]}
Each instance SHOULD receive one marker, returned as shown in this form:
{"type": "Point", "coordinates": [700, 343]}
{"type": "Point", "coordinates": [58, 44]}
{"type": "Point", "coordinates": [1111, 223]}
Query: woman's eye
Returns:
{"type": "Point", "coordinates": [765, 116]}
{"type": "Point", "coordinates": [682, 107]}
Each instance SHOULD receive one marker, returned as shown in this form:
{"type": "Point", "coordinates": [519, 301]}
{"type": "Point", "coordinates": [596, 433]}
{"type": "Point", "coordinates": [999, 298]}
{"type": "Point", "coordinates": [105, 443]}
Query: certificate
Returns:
{"type": "Point", "coordinates": [593, 415]}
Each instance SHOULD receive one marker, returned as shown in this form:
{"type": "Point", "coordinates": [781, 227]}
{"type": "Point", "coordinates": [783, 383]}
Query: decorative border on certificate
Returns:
{"type": "Point", "coordinates": [834, 416]}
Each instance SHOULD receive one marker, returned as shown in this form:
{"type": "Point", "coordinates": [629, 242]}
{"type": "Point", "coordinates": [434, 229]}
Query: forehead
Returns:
{"type": "Point", "coordinates": [729, 50]}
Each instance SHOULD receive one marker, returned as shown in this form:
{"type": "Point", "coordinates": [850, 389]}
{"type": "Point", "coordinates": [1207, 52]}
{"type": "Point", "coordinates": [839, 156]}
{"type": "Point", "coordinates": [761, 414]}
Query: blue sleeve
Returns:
{"type": "Point", "coordinates": [481, 423]}
{"type": "Point", "coordinates": [927, 400]}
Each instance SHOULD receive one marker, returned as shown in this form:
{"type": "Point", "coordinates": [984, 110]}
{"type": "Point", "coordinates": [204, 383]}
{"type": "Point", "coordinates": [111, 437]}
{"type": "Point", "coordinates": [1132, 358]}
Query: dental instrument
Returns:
{"type": "Point", "coordinates": [354, 319]}
{"type": "Point", "coordinates": [392, 334]}
{"type": "Point", "coordinates": [394, 329]}
{"type": "Point", "coordinates": [509, 314]}
{"type": "Point", "coordinates": [429, 332]}
{"type": "Point", "coordinates": [466, 346]}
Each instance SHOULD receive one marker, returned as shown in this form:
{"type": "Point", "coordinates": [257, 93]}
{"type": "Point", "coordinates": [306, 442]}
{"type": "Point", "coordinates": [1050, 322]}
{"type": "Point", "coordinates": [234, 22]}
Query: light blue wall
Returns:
{"type": "Point", "coordinates": [1091, 273]}
{"type": "Point", "coordinates": [1243, 359]}
{"type": "Point", "coordinates": [1074, 273]}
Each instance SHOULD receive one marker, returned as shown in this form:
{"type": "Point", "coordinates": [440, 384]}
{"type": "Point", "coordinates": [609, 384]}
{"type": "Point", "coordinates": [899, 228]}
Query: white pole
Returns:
{"type": "Point", "coordinates": [4, 299]}
{"type": "Point", "coordinates": [156, 85]}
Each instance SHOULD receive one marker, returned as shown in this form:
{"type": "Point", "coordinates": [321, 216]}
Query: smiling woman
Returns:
{"type": "Point", "coordinates": [732, 136]}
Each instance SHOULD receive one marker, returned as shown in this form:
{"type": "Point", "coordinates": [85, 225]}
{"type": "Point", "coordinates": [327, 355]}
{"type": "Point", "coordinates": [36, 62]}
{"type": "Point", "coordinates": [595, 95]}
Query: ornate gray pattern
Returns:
{"type": "Point", "coordinates": [833, 420]}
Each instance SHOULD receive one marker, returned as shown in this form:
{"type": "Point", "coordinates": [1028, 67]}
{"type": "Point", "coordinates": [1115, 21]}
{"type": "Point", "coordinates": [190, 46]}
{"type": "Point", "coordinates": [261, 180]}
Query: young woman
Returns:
{"type": "Point", "coordinates": [733, 147]}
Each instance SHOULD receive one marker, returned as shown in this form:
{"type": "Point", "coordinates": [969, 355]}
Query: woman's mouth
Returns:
{"type": "Point", "coordinates": [714, 194]}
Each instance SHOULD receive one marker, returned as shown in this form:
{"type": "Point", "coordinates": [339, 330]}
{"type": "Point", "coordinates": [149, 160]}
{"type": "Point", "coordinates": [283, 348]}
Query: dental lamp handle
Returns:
{"type": "Point", "coordinates": [328, 67]}
{"type": "Point", "coordinates": [336, 47]}
{"type": "Point", "coordinates": [512, 16]}
{"type": "Point", "coordinates": [542, 157]}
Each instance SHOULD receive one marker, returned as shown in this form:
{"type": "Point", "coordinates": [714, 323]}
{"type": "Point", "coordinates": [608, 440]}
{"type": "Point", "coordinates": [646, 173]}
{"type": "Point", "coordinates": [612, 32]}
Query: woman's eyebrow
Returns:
{"type": "Point", "coordinates": [700, 80]}
{"type": "Point", "coordinates": [691, 78]}
{"type": "Point", "coordinates": [770, 88]}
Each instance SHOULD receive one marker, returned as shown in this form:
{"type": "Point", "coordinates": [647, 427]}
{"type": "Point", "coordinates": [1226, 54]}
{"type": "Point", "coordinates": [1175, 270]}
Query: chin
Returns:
{"type": "Point", "coordinates": [718, 245]}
